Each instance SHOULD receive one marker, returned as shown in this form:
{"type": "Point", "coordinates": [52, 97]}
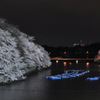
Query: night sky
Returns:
{"type": "Point", "coordinates": [55, 22]}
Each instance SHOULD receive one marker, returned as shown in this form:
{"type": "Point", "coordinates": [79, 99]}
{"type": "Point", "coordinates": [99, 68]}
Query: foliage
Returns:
{"type": "Point", "coordinates": [18, 52]}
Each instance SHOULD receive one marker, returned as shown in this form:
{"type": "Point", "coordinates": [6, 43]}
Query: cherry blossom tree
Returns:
{"type": "Point", "coordinates": [19, 54]}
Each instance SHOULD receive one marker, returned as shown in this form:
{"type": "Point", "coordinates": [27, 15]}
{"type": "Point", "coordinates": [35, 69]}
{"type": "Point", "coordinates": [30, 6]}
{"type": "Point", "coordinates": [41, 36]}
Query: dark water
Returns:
{"type": "Point", "coordinates": [36, 87]}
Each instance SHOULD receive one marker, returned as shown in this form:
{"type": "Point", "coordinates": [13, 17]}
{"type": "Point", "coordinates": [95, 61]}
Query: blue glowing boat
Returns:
{"type": "Point", "coordinates": [77, 75]}
{"type": "Point", "coordinates": [64, 76]}
{"type": "Point", "coordinates": [55, 77]}
{"type": "Point", "coordinates": [71, 76]}
{"type": "Point", "coordinates": [93, 78]}
{"type": "Point", "coordinates": [68, 74]}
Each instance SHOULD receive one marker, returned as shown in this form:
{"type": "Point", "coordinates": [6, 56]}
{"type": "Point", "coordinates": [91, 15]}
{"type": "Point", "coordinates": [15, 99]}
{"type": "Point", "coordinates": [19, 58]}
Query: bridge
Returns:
{"type": "Point", "coordinates": [58, 58]}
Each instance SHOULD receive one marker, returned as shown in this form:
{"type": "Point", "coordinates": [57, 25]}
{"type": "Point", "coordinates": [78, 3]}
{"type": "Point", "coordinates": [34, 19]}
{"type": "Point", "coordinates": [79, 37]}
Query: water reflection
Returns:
{"type": "Point", "coordinates": [60, 66]}
{"type": "Point", "coordinates": [64, 63]}
{"type": "Point", "coordinates": [87, 64]}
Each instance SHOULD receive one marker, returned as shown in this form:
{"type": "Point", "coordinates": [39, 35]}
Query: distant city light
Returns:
{"type": "Point", "coordinates": [87, 52]}
{"type": "Point", "coordinates": [76, 61]}
{"type": "Point", "coordinates": [57, 61]}
{"type": "Point", "coordinates": [80, 43]}
{"type": "Point", "coordinates": [65, 52]}
{"type": "Point", "coordinates": [70, 63]}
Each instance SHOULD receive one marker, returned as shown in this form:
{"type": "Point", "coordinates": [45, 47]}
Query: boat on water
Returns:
{"type": "Point", "coordinates": [54, 77]}
{"type": "Point", "coordinates": [68, 74]}
{"type": "Point", "coordinates": [93, 78]}
{"type": "Point", "coordinates": [65, 76]}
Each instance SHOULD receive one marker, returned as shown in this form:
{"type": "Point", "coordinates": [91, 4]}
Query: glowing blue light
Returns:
{"type": "Point", "coordinates": [63, 77]}
{"type": "Point", "coordinates": [70, 74]}
{"type": "Point", "coordinates": [77, 75]}
{"type": "Point", "coordinates": [55, 77]}
{"type": "Point", "coordinates": [93, 78]}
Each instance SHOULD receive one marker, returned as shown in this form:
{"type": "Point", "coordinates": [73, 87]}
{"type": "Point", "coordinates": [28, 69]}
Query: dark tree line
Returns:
{"type": "Point", "coordinates": [88, 51]}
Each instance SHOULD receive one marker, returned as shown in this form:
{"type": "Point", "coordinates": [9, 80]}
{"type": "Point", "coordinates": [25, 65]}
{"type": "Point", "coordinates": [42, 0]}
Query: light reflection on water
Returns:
{"type": "Point", "coordinates": [64, 63]}
{"type": "Point", "coordinates": [60, 66]}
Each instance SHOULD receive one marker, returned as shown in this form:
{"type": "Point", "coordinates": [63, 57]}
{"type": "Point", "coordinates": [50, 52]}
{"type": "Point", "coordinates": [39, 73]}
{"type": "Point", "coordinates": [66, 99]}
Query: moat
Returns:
{"type": "Point", "coordinates": [37, 87]}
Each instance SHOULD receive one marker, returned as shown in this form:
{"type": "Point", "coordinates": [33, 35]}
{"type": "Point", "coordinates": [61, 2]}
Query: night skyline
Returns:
{"type": "Point", "coordinates": [55, 23]}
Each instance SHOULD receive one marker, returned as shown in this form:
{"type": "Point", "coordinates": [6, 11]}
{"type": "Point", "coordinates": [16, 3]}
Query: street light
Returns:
{"type": "Point", "coordinates": [57, 61]}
